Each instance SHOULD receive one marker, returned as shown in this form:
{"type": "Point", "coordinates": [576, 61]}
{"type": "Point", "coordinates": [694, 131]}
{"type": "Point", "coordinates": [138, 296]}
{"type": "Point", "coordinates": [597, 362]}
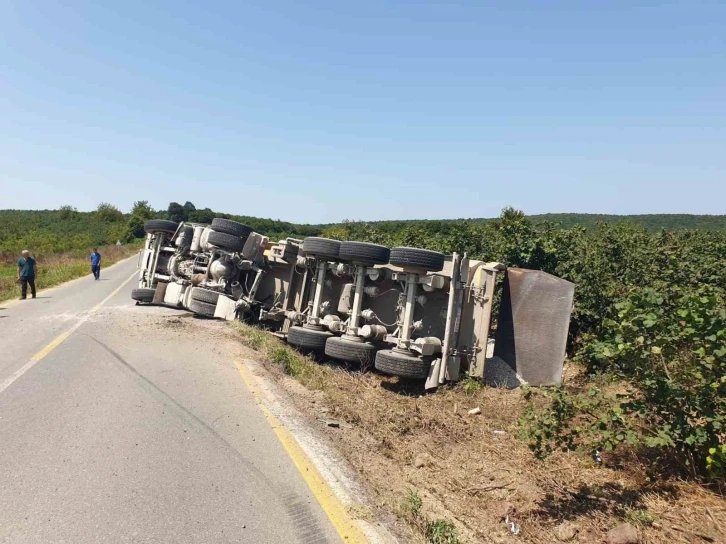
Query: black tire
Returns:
{"type": "Point", "coordinates": [310, 339]}
{"type": "Point", "coordinates": [202, 308]}
{"type": "Point", "coordinates": [419, 259]}
{"type": "Point", "coordinates": [349, 351]}
{"type": "Point", "coordinates": [363, 252]}
{"type": "Point", "coordinates": [321, 247]}
{"type": "Point", "coordinates": [402, 364]}
{"type": "Point", "coordinates": [186, 234]}
{"type": "Point", "coordinates": [153, 226]}
{"type": "Point", "coordinates": [230, 242]}
{"type": "Point", "coordinates": [231, 227]}
{"type": "Point", "coordinates": [204, 295]}
{"type": "Point", "coordinates": [143, 294]}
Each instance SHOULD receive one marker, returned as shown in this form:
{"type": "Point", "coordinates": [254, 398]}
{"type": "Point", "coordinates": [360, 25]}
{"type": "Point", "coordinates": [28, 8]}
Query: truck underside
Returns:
{"type": "Point", "coordinates": [409, 312]}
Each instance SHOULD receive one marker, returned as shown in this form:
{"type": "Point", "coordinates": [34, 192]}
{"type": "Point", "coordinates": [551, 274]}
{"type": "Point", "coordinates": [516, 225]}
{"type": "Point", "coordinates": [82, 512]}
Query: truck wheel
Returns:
{"type": "Point", "coordinates": [419, 259]}
{"type": "Point", "coordinates": [324, 248]}
{"type": "Point", "coordinates": [351, 352]}
{"type": "Point", "coordinates": [230, 242]}
{"type": "Point", "coordinates": [363, 252]}
{"type": "Point", "coordinates": [231, 227]}
{"type": "Point", "coordinates": [311, 339]}
{"type": "Point", "coordinates": [202, 308]}
{"type": "Point", "coordinates": [153, 226]}
{"type": "Point", "coordinates": [403, 365]}
{"type": "Point", "coordinates": [204, 295]}
{"type": "Point", "coordinates": [143, 294]}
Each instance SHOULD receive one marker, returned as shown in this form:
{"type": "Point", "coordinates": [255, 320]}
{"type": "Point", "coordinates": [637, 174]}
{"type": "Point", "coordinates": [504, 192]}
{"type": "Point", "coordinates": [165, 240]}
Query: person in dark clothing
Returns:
{"type": "Point", "coordinates": [96, 263]}
{"type": "Point", "coordinates": [27, 270]}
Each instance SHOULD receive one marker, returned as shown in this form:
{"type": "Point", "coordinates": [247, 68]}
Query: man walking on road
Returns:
{"type": "Point", "coordinates": [27, 270]}
{"type": "Point", "coordinates": [96, 263]}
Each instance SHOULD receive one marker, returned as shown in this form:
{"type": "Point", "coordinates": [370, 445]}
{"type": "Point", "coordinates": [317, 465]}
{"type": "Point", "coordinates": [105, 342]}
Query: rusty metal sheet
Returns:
{"type": "Point", "coordinates": [533, 323]}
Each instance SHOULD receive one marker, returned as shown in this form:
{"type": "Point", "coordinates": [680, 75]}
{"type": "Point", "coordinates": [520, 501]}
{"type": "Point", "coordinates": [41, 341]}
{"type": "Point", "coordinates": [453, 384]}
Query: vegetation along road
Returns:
{"type": "Point", "coordinates": [111, 430]}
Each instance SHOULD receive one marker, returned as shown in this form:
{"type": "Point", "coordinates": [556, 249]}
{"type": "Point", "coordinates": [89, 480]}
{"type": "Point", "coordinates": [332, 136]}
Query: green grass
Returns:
{"type": "Point", "coordinates": [279, 354]}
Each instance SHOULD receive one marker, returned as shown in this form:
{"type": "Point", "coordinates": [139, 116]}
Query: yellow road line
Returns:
{"type": "Point", "coordinates": [336, 512]}
{"type": "Point", "coordinates": [60, 339]}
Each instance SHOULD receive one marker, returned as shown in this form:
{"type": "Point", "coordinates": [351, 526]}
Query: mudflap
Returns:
{"type": "Point", "coordinates": [160, 293]}
{"type": "Point", "coordinates": [226, 308]}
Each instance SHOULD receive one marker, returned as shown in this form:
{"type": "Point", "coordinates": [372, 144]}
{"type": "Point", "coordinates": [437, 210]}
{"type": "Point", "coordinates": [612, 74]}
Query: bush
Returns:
{"type": "Point", "coordinates": [670, 348]}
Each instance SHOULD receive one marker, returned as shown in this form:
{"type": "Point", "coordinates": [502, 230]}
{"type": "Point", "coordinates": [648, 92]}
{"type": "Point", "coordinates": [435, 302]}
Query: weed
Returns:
{"type": "Point", "coordinates": [641, 517]}
{"type": "Point", "coordinates": [411, 505]}
{"type": "Point", "coordinates": [441, 532]}
{"type": "Point", "coordinates": [437, 531]}
{"type": "Point", "coordinates": [471, 386]}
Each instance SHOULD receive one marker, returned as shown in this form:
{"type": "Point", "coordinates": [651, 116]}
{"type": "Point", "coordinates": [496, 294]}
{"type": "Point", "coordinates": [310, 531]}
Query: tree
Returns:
{"type": "Point", "coordinates": [140, 214]}
{"type": "Point", "coordinates": [108, 213]}
{"type": "Point", "coordinates": [188, 209]}
{"type": "Point", "coordinates": [202, 216]}
{"type": "Point", "coordinates": [176, 212]}
{"type": "Point", "coordinates": [67, 212]}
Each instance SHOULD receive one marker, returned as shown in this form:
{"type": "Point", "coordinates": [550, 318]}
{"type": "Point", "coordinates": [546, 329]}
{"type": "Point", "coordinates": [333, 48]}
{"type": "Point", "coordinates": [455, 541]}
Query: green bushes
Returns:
{"type": "Point", "coordinates": [669, 347]}
{"type": "Point", "coordinates": [60, 231]}
{"type": "Point", "coordinates": [650, 314]}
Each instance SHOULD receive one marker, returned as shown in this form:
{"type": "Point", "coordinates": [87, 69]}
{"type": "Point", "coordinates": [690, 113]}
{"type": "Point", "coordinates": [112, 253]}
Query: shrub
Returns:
{"type": "Point", "coordinates": [670, 348]}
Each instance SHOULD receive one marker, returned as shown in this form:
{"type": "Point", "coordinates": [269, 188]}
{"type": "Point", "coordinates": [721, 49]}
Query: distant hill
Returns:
{"type": "Point", "coordinates": [649, 221]}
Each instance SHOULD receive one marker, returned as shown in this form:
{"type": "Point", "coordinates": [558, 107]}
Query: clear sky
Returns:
{"type": "Point", "coordinates": [321, 111]}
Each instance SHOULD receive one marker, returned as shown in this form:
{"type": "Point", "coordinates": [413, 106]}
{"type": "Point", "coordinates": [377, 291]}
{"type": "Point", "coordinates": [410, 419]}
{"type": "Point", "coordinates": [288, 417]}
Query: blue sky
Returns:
{"type": "Point", "coordinates": [323, 111]}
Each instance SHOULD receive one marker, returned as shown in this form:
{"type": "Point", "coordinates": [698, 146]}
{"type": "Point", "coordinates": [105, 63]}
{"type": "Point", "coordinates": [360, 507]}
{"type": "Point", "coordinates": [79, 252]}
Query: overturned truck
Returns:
{"type": "Point", "coordinates": [408, 312]}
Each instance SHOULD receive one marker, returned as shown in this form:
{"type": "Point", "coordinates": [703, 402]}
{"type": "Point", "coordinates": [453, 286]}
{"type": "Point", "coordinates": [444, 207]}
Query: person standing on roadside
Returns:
{"type": "Point", "coordinates": [96, 263]}
{"type": "Point", "coordinates": [27, 270]}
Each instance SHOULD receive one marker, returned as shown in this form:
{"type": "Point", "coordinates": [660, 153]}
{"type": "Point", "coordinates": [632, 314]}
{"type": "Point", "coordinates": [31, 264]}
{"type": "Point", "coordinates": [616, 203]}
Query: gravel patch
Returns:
{"type": "Point", "coordinates": [497, 373]}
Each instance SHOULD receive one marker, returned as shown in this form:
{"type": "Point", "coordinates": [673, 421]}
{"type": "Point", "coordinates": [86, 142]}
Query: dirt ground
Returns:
{"type": "Point", "coordinates": [430, 463]}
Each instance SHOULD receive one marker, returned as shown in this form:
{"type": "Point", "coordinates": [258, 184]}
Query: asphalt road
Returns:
{"type": "Point", "coordinates": [135, 428]}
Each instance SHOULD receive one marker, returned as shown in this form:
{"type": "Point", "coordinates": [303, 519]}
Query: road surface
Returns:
{"type": "Point", "coordinates": [134, 427]}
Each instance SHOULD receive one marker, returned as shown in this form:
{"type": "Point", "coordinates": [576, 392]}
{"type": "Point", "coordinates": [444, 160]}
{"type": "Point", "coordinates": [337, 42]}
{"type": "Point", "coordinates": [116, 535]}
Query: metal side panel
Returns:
{"type": "Point", "coordinates": [476, 316]}
{"type": "Point", "coordinates": [534, 320]}
{"type": "Point", "coordinates": [225, 308]}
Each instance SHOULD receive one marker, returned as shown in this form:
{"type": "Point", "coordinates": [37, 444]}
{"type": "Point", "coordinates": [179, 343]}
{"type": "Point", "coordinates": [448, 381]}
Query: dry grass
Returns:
{"type": "Point", "coordinates": [473, 469]}
{"type": "Point", "coordinates": [56, 268]}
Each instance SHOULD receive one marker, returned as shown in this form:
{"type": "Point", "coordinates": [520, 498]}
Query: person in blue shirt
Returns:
{"type": "Point", "coordinates": [96, 263]}
{"type": "Point", "coordinates": [27, 270]}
